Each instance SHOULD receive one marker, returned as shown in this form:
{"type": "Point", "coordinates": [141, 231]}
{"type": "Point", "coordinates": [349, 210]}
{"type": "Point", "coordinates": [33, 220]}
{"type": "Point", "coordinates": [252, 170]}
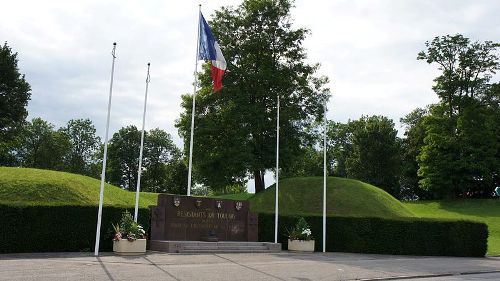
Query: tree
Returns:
{"type": "Point", "coordinates": [411, 148]}
{"type": "Point", "coordinates": [42, 147]}
{"type": "Point", "coordinates": [375, 156]}
{"type": "Point", "coordinates": [15, 93]}
{"type": "Point", "coordinates": [84, 145]}
{"type": "Point", "coordinates": [459, 157]}
{"type": "Point", "coordinates": [123, 157]}
{"type": "Point", "coordinates": [339, 147]}
{"type": "Point", "coordinates": [235, 129]}
{"type": "Point", "coordinates": [466, 68]}
{"type": "Point", "coordinates": [162, 168]}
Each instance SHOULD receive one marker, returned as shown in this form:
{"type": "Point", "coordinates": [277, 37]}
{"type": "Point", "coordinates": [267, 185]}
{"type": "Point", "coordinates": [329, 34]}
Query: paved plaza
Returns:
{"type": "Point", "coordinates": [255, 266]}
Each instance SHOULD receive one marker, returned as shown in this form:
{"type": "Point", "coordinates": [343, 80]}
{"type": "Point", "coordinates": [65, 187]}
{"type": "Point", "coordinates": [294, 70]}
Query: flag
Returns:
{"type": "Point", "coordinates": [209, 50]}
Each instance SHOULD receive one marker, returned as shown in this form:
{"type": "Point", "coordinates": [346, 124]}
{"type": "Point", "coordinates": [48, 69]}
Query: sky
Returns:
{"type": "Point", "coordinates": [367, 48]}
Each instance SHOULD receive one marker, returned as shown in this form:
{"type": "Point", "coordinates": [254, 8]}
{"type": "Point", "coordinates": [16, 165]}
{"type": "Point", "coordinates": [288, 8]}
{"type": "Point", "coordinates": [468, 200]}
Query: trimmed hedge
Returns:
{"type": "Point", "coordinates": [406, 236]}
{"type": "Point", "coordinates": [58, 228]}
{"type": "Point", "coordinates": [72, 228]}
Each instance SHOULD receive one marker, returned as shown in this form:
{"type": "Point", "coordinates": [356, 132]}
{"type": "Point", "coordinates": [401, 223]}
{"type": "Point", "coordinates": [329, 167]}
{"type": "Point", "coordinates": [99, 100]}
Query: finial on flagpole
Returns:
{"type": "Point", "coordinates": [148, 78]}
{"type": "Point", "coordinates": [114, 49]}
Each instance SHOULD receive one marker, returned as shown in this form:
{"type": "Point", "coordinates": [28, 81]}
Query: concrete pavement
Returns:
{"type": "Point", "coordinates": [255, 266]}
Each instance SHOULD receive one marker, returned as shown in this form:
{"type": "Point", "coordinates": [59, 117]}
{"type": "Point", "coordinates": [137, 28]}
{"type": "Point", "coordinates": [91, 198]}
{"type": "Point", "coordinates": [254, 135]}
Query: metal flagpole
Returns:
{"type": "Point", "coordinates": [277, 172]}
{"type": "Point", "coordinates": [148, 79]}
{"type": "Point", "coordinates": [194, 102]}
{"type": "Point", "coordinates": [103, 174]}
{"type": "Point", "coordinates": [324, 183]}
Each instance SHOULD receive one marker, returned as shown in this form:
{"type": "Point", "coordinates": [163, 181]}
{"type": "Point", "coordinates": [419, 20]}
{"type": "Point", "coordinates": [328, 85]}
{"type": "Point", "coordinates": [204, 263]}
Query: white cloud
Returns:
{"type": "Point", "coordinates": [367, 48]}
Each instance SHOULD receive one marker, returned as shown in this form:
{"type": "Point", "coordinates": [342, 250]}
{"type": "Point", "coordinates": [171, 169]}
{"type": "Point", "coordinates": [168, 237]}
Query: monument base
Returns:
{"type": "Point", "coordinates": [214, 247]}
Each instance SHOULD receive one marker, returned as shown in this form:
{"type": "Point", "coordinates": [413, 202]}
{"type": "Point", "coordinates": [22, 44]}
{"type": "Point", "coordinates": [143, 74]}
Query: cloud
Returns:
{"type": "Point", "coordinates": [367, 48]}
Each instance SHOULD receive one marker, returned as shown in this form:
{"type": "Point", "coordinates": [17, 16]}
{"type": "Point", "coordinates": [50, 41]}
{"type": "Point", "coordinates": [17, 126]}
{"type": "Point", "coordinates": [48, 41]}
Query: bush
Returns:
{"type": "Point", "coordinates": [405, 236]}
{"type": "Point", "coordinates": [58, 228]}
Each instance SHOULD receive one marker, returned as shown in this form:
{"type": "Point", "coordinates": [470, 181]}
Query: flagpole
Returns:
{"type": "Point", "coordinates": [190, 169]}
{"type": "Point", "coordinates": [324, 182]}
{"type": "Point", "coordinates": [103, 173]}
{"type": "Point", "coordinates": [277, 172]}
{"type": "Point", "coordinates": [142, 147]}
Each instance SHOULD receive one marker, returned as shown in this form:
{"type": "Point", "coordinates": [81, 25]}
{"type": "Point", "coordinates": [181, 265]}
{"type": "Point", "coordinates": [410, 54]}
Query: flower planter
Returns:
{"type": "Point", "coordinates": [301, 245]}
{"type": "Point", "coordinates": [126, 248]}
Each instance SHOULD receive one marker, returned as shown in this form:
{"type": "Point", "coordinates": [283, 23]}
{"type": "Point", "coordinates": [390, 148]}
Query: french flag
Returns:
{"type": "Point", "coordinates": [209, 50]}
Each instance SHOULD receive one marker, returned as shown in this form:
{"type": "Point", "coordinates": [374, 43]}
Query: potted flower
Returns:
{"type": "Point", "coordinates": [300, 237]}
{"type": "Point", "coordinates": [130, 237]}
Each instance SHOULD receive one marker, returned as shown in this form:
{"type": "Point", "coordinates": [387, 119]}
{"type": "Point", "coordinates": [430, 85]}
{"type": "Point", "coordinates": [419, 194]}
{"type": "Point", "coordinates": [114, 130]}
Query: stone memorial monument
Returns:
{"type": "Point", "coordinates": [186, 218]}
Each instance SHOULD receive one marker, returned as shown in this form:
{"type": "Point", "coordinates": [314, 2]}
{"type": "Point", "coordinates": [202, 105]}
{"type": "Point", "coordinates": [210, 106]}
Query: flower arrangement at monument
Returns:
{"type": "Point", "coordinates": [129, 237]}
{"type": "Point", "coordinates": [300, 237]}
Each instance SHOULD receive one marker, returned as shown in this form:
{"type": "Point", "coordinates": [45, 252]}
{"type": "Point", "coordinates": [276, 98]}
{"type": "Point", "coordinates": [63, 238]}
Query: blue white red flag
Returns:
{"type": "Point", "coordinates": [209, 50]}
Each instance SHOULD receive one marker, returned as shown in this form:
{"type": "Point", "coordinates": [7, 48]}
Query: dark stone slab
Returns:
{"type": "Point", "coordinates": [187, 218]}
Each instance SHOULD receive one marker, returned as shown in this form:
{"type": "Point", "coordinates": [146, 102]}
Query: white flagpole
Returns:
{"type": "Point", "coordinates": [141, 149]}
{"type": "Point", "coordinates": [103, 173]}
{"type": "Point", "coordinates": [277, 172]}
{"type": "Point", "coordinates": [193, 111]}
{"type": "Point", "coordinates": [324, 183]}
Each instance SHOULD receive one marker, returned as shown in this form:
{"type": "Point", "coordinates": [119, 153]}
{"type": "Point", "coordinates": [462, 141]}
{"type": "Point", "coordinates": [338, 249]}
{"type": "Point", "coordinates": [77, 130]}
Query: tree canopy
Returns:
{"type": "Point", "coordinates": [460, 151]}
{"type": "Point", "coordinates": [15, 92]}
{"type": "Point", "coordinates": [162, 168]}
{"type": "Point", "coordinates": [235, 129]}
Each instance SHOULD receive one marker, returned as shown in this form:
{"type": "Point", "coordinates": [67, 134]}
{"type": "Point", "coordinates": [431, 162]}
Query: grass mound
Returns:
{"type": "Point", "coordinates": [345, 197]}
{"type": "Point", "coordinates": [22, 186]}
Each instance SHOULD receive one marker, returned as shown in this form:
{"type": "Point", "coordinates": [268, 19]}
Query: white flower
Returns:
{"type": "Point", "coordinates": [306, 232]}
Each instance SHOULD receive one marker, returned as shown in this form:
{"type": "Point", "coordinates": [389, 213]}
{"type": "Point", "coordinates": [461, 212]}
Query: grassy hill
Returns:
{"type": "Point", "coordinates": [483, 210]}
{"type": "Point", "coordinates": [345, 197]}
{"type": "Point", "coordinates": [22, 186]}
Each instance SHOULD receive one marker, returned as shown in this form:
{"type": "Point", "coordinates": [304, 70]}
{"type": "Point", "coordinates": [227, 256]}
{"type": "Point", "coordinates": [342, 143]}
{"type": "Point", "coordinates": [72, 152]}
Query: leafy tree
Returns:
{"type": "Point", "coordinates": [235, 129]}
{"type": "Point", "coordinates": [163, 171]}
{"type": "Point", "coordinates": [123, 157]}
{"type": "Point", "coordinates": [15, 93]}
{"type": "Point", "coordinates": [478, 136]}
{"type": "Point", "coordinates": [466, 68]}
{"type": "Point", "coordinates": [42, 147]}
{"type": "Point", "coordinates": [84, 145]}
{"type": "Point", "coordinates": [366, 149]}
{"type": "Point", "coordinates": [309, 163]}
{"type": "Point", "coordinates": [339, 147]}
{"type": "Point", "coordinates": [459, 156]}
{"type": "Point", "coordinates": [375, 154]}
{"type": "Point", "coordinates": [412, 144]}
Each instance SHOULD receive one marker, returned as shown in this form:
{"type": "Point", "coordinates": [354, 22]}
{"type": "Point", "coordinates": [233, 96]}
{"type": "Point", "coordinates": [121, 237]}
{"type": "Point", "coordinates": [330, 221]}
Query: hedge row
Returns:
{"type": "Point", "coordinates": [58, 228]}
{"type": "Point", "coordinates": [72, 228]}
{"type": "Point", "coordinates": [412, 236]}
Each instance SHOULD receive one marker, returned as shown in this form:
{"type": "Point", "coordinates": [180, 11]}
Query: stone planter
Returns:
{"type": "Point", "coordinates": [127, 248]}
{"type": "Point", "coordinates": [301, 245]}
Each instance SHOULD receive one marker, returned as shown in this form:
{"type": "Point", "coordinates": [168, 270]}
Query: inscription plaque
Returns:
{"type": "Point", "coordinates": [188, 218]}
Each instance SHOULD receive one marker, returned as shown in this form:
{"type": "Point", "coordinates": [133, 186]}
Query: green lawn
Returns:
{"type": "Point", "coordinates": [484, 210]}
{"type": "Point", "coordinates": [21, 186]}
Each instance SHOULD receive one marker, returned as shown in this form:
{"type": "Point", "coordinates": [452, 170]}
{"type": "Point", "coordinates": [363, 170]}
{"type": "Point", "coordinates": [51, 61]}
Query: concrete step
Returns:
{"type": "Point", "coordinates": [213, 247]}
{"type": "Point", "coordinates": [198, 251]}
{"type": "Point", "coordinates": [228, 248]}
